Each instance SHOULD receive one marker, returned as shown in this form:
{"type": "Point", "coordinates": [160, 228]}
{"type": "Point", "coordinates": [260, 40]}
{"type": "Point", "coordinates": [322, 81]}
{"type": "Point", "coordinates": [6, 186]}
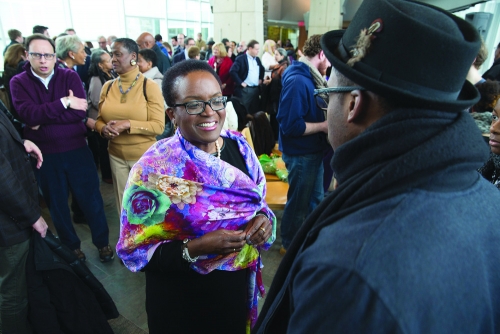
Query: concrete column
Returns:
{"type": "Point", "coordinates": [325, 15]}
{"type": "Point", "coordinates": [239, 20]}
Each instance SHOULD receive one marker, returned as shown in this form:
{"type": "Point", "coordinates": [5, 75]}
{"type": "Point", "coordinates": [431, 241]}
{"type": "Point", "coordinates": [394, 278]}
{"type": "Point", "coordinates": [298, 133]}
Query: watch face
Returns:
{"type": "Point", "coordinates": [185, 241]}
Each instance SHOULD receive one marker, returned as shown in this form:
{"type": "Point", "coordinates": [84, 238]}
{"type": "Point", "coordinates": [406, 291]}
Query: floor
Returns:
{"type": "Point", "coordinates": [128, 289]}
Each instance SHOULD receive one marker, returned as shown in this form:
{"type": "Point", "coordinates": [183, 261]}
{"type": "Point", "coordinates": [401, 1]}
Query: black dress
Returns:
{"type": "Point", "coordinates": [180, 300]}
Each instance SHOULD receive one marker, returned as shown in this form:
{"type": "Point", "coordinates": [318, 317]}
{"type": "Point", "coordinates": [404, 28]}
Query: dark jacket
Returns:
{"type": "Point", "coordinates": [19, 208]}
{"type": "Point", "coordinates": [178, 57]}
{"type": "Point", "coordinates": [239, 72]}
{"type": "Point", "coordinates": [298, 106]}
{"type": "Point", "coordinates": [162, 61]}
{"type": "Point", "coordinates": [64, 295]}
{"type": "Point", "coordinates": [405, 244]}
{"type": "Point", "coordinates": [494, 72]}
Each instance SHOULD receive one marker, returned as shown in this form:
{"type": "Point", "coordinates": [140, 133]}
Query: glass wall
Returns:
{"type": "Point", "coordinates": [92, 18]}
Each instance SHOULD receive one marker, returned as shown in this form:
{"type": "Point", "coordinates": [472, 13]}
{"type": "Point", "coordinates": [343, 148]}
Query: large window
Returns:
{"type": "Point", "coordinates": [92, 18]}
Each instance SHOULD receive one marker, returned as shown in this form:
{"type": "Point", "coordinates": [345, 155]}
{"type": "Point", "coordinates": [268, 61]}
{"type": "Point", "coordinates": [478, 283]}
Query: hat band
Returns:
{"type": "Point", "coordinates": [389, 80]}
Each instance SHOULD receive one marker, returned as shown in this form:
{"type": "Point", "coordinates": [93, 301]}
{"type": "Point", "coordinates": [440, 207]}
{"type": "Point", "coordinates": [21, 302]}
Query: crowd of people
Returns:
{"type": "Point", "coordinates": [402, 243]}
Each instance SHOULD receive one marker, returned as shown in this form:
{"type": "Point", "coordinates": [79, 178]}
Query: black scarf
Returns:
{"type": "Point", "coordinates": [400, 151]}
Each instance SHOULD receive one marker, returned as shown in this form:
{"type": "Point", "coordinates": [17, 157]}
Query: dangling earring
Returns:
{"type": "Point", "coordinates": [174, 124]}
{"type": "Point", "coordinates": [133, 62]}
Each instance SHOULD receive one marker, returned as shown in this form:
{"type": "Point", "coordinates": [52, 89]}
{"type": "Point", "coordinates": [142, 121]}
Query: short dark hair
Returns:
{"type": "Point", "coordinates": [149, 55]}
{"type": "Point", "coordinates": [490, 93]}
{"type": "Point", "coordinates": [158, 37]}
{"type": "Point", "coordinates": [180, 70]}
{"type": "Point", "coordinates": [312, 46]}
{"type": "Point", "coordinates": [34, 37]}
{"type": "Point", "coordinates": [70, 29]}
{"type": "Point", "coordinates": [39, 29]}
{"type": "Point", "coordinates": [174, 38]}
{"type": "Point", "coordinates": [13, 34]}
{"type": "Point", "coordinates": [252, 43]}
{"type": "Point", "coordinates": [224, 41]}
{"type": "Point", "coordinates": [186, 41]}
{"type": "Point", "coordinates": [128, 44]}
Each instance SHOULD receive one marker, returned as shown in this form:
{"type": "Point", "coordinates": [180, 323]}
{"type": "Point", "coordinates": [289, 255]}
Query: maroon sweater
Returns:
{"type": "Point", "coordinates": [61, 129]}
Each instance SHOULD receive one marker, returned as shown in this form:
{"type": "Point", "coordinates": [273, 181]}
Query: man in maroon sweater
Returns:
{"type": "Point", "coordinates": [51, 102]}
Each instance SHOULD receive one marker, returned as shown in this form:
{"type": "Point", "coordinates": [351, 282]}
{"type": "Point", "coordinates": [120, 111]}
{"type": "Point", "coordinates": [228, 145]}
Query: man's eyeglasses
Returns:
{"type": "Point", "coordinates": [322, 103]}
{"type": "Point", "coordinates": [38, 56]}
{"type": "Point", "coordinates": [197, 107]}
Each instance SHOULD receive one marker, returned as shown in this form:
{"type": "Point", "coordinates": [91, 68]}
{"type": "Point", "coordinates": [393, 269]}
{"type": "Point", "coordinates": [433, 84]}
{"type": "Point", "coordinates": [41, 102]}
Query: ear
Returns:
{"type": "Point", "coordinates": [170, 113]}
{"type": "Point", "coordinates": [356, 106]}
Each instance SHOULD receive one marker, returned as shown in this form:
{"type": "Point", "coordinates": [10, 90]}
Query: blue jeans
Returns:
{"type": "Point", "coordinates": [73, 170]}
{"type": "Point", "coordinates": [13, 289]}
{"type": "Point", "coordinates": [305, 177]}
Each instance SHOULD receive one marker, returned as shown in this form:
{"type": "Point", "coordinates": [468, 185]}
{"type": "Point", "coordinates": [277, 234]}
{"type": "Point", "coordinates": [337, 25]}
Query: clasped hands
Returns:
{"type": "Point", "coordinates": [114, 128]}
{"type": "Point", "coordinates": [256, 233]}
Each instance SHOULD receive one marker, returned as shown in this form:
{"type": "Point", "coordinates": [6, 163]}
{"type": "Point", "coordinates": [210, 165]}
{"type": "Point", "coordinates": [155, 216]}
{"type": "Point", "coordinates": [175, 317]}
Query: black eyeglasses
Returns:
{"type": "Point", "coordinates": [197, 107]}
{"type": "Point", "coordinates": [322, 103]}
{"type": "Point", "coordinates": [38, 56]}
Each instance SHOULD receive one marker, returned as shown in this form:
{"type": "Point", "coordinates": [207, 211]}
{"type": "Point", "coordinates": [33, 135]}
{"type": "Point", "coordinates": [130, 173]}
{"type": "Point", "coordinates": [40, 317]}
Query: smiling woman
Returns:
{"type": "Point", "coordinates": [198, 239]}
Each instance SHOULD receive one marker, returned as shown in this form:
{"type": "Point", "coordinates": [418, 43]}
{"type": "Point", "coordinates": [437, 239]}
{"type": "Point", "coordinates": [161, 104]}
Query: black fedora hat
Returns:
{"type": "Point", "coordinates": [414, 53]}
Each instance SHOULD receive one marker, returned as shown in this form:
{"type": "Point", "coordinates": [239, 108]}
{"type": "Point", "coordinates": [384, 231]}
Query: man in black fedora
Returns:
{"type": "Point", "coordinates": [407, 242]}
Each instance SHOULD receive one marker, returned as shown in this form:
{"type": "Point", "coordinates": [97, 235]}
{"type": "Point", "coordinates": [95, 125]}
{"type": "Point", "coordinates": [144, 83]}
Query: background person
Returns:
{"type": "Point", "coordinates": [16, 37]}
{"type": "Point", "coordinates": [20, 216]}
{"type": "Point", "coordinates": [490, 105]}
{"type": "Point", "coordinates": [100, 71]}
{"type": "Point", "coordinates": [268, 57]}
{"type": "Point", "coordinates": [130, 115]}
{"type": "Point", "coordinates": [51, 102]}
{"type": "Point", "coordinates": [147, 66]}
{"type": "Point", "coordinates": [221, 64]}
{"type": "Point", "coordinates": [203, 237]}
{"type": "Point", "coordinates": [12, 59]}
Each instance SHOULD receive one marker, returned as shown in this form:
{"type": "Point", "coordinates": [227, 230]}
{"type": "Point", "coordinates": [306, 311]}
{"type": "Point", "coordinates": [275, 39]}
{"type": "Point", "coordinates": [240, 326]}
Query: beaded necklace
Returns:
{"type": "Point", "coordinates": [217, 147]}
{"type": "Point", "coordinates": [123, 98]}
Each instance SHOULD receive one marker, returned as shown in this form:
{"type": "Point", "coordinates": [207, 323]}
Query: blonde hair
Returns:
{"type": "Point", "coordinates": [222, 49]}
{"type": "Point", "coordinates": [268, 46]}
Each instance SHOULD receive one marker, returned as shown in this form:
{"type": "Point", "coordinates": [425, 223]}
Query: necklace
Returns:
{"type": "Point", "coordinates": [217, 147]}
{"type": "Point", "coordinates": [123, 98]}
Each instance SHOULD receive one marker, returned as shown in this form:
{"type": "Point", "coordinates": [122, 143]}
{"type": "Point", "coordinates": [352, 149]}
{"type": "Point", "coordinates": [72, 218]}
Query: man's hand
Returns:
{"type": "Point", "coordinates": [77, 103]}
{"type": "Point", "coordinates": [243, 84]}
{"type": "Point", "coordinates": [32, 149]}
{"type": "Point", "coordinates": [41, 226]}
{"type": "Point", "coordinates": [315, 128]}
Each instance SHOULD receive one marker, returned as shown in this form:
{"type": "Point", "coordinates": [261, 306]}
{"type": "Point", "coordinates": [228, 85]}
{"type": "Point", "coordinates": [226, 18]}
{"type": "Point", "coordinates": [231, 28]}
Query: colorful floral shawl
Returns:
{"type": "Point", "coordinates": [177, 191]}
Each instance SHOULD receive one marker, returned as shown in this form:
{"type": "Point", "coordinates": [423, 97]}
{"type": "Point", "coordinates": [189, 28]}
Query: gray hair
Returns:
{"type": "Point", "coordinates": [95, 57]}
{"type": "Point", "coordinates": [282, 52]}
{"type": "Point", "coordinates": [65, 44]}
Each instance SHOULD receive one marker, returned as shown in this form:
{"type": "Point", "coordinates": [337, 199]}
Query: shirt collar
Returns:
{"type": "Point", "coordinates": [45, 81]}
